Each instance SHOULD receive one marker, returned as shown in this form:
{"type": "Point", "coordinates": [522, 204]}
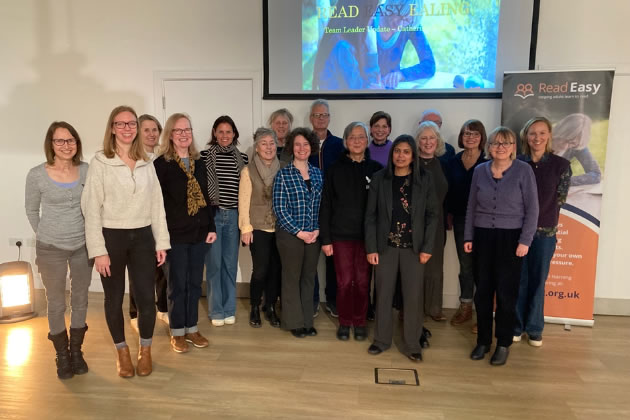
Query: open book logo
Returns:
{"type": "Point", "coordinates": [524, 90]}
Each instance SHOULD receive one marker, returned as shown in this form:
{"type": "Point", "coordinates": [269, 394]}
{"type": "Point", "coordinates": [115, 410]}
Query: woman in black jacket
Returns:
{"type": "Point", "coordinates": [341, 228]}
{"type": "Point", "coordinates": [401, 222]}
{"type": "Point", "coordinates": [190, 220]}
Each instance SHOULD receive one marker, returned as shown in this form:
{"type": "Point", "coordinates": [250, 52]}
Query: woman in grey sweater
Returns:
{"type": "Point", "coordinates": [53, 207]}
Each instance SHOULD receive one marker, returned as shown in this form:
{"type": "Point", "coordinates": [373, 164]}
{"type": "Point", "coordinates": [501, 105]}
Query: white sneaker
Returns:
{"type": "Point", "coordinates": [517, 338]}
{"type": "Point", "coordinates": [230, 320]}
{"type": "Point", "coordinates": [163, 316]}
{"type": "Point", "coordinates": [218, 322]}
{"type": "Point", "coordinates": [134, 324]}
{"type": "Point", "coordinates": [535, 341]}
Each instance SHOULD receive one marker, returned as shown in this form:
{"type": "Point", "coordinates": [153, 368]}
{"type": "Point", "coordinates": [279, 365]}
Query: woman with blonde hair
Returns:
{"type": "Point", "coordinates": [190, 220]}
{"type": "Point", "coordinates": [281, 121]}
{"type": "Point", "coordinates": [125, 228]}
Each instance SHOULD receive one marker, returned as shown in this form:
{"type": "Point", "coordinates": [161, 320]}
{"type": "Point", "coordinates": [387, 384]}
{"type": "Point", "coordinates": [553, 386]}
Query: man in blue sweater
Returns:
{"type": "Point", "coordinates": [330, 148]}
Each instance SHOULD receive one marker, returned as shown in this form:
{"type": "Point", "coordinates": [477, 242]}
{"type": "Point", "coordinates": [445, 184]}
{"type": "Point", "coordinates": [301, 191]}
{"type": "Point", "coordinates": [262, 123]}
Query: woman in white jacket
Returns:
{"type": "Point", "coordinates": [125, 227]}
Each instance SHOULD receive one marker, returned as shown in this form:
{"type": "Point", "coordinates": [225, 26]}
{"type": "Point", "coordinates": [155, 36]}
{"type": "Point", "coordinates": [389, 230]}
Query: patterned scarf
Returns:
{"type": "Point", "coordinates": [211, 165]}
{"type": "Point", "coordinates": [267, 173]}
{"type": "Point", "coordinates": [194, 196]}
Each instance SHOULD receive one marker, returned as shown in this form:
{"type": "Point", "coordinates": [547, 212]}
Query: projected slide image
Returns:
{"type": "Point", "coordinates": [399, 44]}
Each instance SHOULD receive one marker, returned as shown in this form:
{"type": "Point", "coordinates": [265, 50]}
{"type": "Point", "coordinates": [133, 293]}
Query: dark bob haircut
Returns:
{"type": "Point", "coordinates": [308, 134]}
{"type": "Point", "coordinates": [473, 125]}
{"type": "Point", "coordinates": [403, 138]}
{"type": "Point", "coordinates": [48, 144]}
{"type": "Point", "coordinates": [380, 115]}
{"type": "Point", "coordinates": [227, 120]}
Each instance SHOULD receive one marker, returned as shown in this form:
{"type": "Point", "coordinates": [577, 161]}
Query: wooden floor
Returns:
{"type": "Point", "coordinates": [265, 372]}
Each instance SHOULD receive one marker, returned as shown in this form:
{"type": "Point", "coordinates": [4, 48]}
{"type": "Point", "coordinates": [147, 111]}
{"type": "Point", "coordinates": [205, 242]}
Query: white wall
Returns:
{"type": "Point", "coordinates": [76, 60]}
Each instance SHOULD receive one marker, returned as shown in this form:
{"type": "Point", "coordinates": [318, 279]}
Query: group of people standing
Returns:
{"type": "Point", "coordinates": [377, 210]}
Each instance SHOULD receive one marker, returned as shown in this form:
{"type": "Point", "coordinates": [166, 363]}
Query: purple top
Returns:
{"type": "Point", "coordinates": [510, 202]}
{"type": "Point", "coordinates": [380, 152]}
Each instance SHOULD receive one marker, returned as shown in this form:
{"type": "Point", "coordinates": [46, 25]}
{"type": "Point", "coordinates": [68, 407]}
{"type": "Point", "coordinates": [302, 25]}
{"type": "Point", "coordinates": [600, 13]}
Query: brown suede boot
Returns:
{"type": "Point", "coordinates": [145, 365]}
{"type": "Point", "coordinates": [125, 368]}
{"type": "Point", "coordinates": [463, 314]}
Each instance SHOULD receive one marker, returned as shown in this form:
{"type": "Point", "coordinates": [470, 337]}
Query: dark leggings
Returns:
{"type": "Point", "coordinates": [133, 249]}
{"type": "Point", "coordinates": [265, 268]}
{"type": "Point", "coordinates": [160, 293]}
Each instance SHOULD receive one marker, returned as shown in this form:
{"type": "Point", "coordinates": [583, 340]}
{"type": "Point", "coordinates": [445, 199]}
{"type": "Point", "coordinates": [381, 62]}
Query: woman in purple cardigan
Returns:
{"type": "Point", "coordinates": [500, 224]}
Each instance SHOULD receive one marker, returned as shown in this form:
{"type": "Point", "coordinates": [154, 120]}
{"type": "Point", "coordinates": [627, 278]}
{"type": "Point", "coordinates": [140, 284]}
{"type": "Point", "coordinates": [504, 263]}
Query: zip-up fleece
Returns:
{"type": "Point", "coordinates": [117, 197]}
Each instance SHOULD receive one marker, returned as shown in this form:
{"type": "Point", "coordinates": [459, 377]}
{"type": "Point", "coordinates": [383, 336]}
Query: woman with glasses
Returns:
{"type": "Point", "coordinates": [125, 228]}
{"type": "Point", "coordinates": [459, 173]}
{"type": "Point", "coordinates": [224, 163]}
{"type": "Point", "coordinates": [258, 224]}
{"type": "Point", "coordinates": [430, 148]}
{"type": "Point", "coordinates": [297, 192]}
{"type": "Point", "coordinates": [500, 224]}
{"type": "Point", "coordinates": [190, 221]}
{"type": "Point", "coordinates": [342, 232]}
{"type": "Point", "coordinates": [553, 177]}
{"type": "Point", "coordinates": [53, 207]}
{"type": "Point", "coordinates": [149, 131]}
{"type": "Point", "coordinates": [401, 221]}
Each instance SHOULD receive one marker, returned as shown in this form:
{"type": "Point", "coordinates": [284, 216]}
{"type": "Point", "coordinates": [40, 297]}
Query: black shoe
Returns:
{"type": "Point", "coordinates": [424, 340]}
{"type": "Point", "coordinates": [415, 357]}
{"type": "Point", "coordinates": [254, 317]}
{"type": "Point", "coordinates": [272, 317]}
{"type": "Point", "coordinates": [479, 352]}
{"type": "Point", "coordinates": [331, 308]}
{"type": "Point", "coordinates": [79, 366]}
{"type": "Point", "coordinates": [360, 333]}
{"type": "Point", "coordinates": [298, 332]}
{"type": "Point", "coordinates": [310, 331]}
{"type": "Point", "coordinates": [374, 349]}
{"type": "Point", "coordinates": [343, 333]}
{"type": "Point", "coordinates": [500, 356]}
{"type": "Point", "coordinates": [426, 332]}
{"type": "Point", "coordinates": [370, 313]}
{"type": "Point", "coordinates": [64, 367]}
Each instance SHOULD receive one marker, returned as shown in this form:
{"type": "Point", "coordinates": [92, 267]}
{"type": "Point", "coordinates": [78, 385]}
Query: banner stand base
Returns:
{"type": "Point", "coordinates": [567, 322]}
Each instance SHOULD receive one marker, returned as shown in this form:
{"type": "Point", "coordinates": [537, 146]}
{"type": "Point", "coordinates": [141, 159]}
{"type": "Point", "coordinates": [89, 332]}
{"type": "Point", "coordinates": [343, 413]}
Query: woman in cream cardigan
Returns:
{"type": "Point", "coordinates": [125, 227]}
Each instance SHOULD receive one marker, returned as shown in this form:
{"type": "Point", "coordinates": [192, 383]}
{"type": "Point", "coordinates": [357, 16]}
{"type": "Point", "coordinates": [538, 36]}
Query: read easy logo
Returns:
{"type": "Point", "coordinates": [524, 90]}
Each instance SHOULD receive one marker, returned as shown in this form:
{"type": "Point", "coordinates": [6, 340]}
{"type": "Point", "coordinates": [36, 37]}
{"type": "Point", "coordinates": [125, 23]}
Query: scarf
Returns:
{"type": "Point", "coordinates": [194, 196]}
{"type": "Point", "coordinates": [211, 166]}
{"type": "Point", "coordinates": [267, 173]}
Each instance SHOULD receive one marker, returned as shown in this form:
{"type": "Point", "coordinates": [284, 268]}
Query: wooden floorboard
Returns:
{"type": "Point", "coordinates": [266, 373]}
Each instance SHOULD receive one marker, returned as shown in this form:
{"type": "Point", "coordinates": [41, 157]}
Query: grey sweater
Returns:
{"type": "Point", "coordinates": [54, 212]}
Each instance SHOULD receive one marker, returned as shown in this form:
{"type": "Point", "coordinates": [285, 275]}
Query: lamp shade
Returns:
{"type": "Point", "coordinates": [17, 289]}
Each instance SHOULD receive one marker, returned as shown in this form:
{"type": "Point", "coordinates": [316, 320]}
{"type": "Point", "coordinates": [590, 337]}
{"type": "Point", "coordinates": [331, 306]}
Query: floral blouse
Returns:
{"type": "Point", "coordinates": [400, 232]}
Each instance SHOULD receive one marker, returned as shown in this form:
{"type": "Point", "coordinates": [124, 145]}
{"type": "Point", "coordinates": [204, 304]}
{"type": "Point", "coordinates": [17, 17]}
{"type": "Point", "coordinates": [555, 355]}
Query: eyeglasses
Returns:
{"type": "Point", "coordinates": [122, 124]}
{"type": "Point", "coordinates": [472, 134]}
{"type": "Point", "coordinates": [180, 131]}
{"type": "Point", "coordinates": [505, 144]}
{"type": "Point", "coordinates": [61, 142]}
{"type": "Point", "coordinates": [356, 138]}
{"type": "Point", "coordinates": [321, 115]}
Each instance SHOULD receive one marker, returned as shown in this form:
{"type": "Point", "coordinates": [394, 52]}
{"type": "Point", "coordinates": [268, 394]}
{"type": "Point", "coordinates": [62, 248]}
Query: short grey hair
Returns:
{"type": "Point", "coordinates": [430, 125]}
{"type": "Point", "coordinates": [281, 112]}
{"type": "Point", "coordinates": [352, 126]}
{"type": "Point", "coordinates": [262, 132]}
{"type": "Point", "coordinates": [316, 102]}
{"type": "Point", "coordinates": [502, 132]}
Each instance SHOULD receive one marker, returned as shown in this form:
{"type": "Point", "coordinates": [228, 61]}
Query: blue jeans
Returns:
{"type": "Point", "coordinates": [184, 274]}
{"type": "Point", "coordinates": [221, 265]}
{"type": "Point", "coordinates": [530, 317]}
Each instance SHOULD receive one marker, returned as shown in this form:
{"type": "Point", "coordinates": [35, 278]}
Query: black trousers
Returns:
{"type": "Point", "coordinates": [497, 272]}
{"type": "Point", "coordinates": [299, 265]}
{"type": "Point", "coordinates": [133, 249]}
{"type": "Point", "coordinates": [265, 268]}
{"type": "Point", "coordinates": [331, 281]}
{"type": "Point", "coordinates": [160, 293]}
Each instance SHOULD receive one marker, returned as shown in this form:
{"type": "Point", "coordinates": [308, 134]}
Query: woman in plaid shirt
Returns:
{"type": "Point", "coordinates": [297, 193]}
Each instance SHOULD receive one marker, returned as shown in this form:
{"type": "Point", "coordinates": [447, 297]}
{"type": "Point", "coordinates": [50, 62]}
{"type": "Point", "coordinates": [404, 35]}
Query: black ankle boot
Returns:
{"type": "Point", "coordinates": [79, 366]}
{"type": "Point", "coordinates": [254, 317]}
{"type": "Point", "coordinates": [272, 317]}
{"type": "Point", "coordinates": [60, 341]}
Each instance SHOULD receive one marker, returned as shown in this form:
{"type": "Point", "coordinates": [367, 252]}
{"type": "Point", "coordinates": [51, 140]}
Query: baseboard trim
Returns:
{"type": "Point", "coordinates": [606, 306]}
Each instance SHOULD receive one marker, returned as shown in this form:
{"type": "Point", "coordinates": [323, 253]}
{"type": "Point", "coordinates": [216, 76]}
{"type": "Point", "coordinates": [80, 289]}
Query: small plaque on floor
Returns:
{"type": "Point", "coordinates": [393, 376]}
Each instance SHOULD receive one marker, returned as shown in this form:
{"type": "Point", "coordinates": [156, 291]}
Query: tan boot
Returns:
{"type": "Point", "coordinates": [463, 314]}
{"type": "Point", "coordinates": [125, 368]}
{"type": "Point", "coordinates": [145, 365]}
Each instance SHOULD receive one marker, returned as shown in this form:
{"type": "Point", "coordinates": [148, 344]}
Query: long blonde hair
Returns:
{"type": "Point", "coordinates": [136, 152]}
{"type": "Point", "coordinates": [166, 143]}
